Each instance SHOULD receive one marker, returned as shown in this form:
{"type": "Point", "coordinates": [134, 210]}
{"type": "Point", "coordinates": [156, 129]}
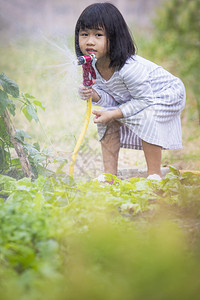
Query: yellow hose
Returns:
{"type": "Point", "coordinates": [82, 134]}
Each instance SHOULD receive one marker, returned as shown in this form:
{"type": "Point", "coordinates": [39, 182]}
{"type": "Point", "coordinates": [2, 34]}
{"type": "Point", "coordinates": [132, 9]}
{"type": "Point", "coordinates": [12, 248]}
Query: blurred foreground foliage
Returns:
{"type": "Point", "coordinates": [136, 239]}
{"type": "Point", "coordinates": [177, 41]}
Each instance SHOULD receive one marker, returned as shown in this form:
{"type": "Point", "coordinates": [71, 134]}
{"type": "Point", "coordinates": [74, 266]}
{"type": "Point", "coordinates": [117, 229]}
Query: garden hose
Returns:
{"type": "Point", "coordinates": [88, 76]}
{"type": "Point", "coordinates": [82, 134]}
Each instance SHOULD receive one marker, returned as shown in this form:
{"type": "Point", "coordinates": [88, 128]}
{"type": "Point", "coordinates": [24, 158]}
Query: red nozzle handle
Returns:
{"type": "Point", "coordinates": [88, 74]}
{"type": "Point", "coordinates": [81, 60]}
{"type": "Point", "coordinates": [88, 70]}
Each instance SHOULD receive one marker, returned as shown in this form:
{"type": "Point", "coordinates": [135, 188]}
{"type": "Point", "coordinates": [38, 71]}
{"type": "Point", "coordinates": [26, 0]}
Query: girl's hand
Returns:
{"type": "Point", "coordinates": [102, 116]}
{"type": "Point", "coordinates": [106, 116]}
{"type": "Point", "coordinates": [84, 92]}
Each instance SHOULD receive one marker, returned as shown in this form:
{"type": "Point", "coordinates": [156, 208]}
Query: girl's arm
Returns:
{"type": "Point", "coordinates": [99, 97]}
{"type": "Point", "coordinates": [104, 99]}
{"type": "Point", "coordinates": [136, 78]}
{"type": "Point", "coordinates": [137, 81]}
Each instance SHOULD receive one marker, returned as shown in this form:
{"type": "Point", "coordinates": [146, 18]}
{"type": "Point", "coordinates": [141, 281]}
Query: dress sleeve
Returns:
{"type": "Point", "coordinates": [106, 100]}
{"type": "Point", "coordinates": [137, 80]}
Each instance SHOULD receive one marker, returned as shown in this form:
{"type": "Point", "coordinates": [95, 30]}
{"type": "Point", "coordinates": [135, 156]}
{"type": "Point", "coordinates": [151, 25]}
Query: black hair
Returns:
{"type": "Point", "coordinates": [107, 16]}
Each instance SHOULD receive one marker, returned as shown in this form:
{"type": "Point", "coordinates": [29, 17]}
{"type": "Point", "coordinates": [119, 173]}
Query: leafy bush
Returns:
{"type": "Point", "coordinates": [9, 95]}
{"type": "Point", "coordinates": [63, 239]}
{"type": "Point", "coordinates": [39, 159]}
{"type": "Point", "coordinates": [177, 40]}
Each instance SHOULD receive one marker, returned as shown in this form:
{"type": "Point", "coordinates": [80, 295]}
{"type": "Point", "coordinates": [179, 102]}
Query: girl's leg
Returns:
{"type": "Point", "coordinates": [153, 155]}
{"type": "Point", "coordinates": [110, 145]}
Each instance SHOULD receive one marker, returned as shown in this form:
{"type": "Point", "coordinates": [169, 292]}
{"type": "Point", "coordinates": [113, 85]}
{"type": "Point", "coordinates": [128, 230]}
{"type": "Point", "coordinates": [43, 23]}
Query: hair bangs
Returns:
{"type": "Point", "coordinates": [91, 21]}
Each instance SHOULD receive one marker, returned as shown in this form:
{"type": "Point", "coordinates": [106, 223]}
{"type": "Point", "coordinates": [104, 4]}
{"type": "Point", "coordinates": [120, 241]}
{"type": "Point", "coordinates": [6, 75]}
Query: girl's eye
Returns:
{"type": "Point", "coordinates": [99, 34]}
{"type": "Point", "coordinates": [83, 34]}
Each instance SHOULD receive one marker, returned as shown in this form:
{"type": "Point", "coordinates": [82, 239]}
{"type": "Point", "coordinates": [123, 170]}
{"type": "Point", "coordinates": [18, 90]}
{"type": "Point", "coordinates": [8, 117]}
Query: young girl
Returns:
{"type": "Point", "coordinates": [142, 101]}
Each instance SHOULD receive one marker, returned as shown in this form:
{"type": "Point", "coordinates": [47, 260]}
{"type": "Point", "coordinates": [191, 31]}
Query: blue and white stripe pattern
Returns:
{"type": "Point", "coordinates": [151, 100]}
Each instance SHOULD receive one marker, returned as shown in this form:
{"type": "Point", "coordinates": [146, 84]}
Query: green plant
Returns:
{"type": "Point", "coordinates": [39, 159]}
{"type": "Point", "coordinates": [9, 95]}
{"type": "Point", "coordinates": [177, 37]}
{"type": "Point", "coordinates": [131, 239]}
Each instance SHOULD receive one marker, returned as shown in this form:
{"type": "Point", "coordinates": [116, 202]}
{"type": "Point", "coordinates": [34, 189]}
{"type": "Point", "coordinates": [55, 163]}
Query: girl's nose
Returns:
{"type": "Point", "coordinates": [90, 40]}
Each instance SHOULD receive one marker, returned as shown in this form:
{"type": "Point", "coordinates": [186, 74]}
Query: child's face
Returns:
{"type": "Point", "coordinates": [93, 41]}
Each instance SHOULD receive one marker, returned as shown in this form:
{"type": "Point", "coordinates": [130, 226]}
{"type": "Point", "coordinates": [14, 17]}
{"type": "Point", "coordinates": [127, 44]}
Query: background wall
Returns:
{"type": "Point", "coordinates": [29, 17]}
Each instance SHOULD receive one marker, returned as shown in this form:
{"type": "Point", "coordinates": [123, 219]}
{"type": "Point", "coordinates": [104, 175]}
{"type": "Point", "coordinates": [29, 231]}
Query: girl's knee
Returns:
{"type": "Point", "coordinates": [113, 127]}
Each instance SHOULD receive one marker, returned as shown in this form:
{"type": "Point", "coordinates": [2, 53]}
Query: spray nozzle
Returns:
{"type": "Point", "coordinates": [88, 70]}
{"type": "Point", "coordinates": [82, 60]}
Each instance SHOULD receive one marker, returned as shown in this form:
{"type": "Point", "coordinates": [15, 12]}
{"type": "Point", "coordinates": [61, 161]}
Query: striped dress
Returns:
{"type": "Point", "coordinates": [151, 100]}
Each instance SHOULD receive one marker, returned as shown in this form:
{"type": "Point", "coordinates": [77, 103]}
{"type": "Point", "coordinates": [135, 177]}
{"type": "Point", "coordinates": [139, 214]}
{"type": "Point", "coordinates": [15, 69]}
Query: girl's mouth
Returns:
{"type": "Point", "coordinates": [91, 51]}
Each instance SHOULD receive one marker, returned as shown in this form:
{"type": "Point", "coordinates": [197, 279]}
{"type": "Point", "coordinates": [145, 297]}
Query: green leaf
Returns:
{"type": "Point", "coordinates": [20, 195]}
{"type": "Point", "coordinates": [37, 146]}
{"type": "Point", "coordinates": [5, 182]}
{"type": "Point", "coordinates": [4, 101]}
{"type": "Point", "coordinates": [16, 162]}
{"type": "Point", "coordinates": [27, 95]}
{"type": "Point", "coordinates": [26, 113]}
{"type": "Point", "coordinates": [9, 85]}
{"type": "Point", "coordinates": [4, 156]}
{"type": "Point", "coordinates": [20, 135]}
{"type": "Point", "coordinates": [4, 134]}
{"type": "Point", "coordinates": [60, 168]}
{"type": "Point", "coordinates": [32, 112]}
{"type": "Point", "coordinates": [174, 170]}
{"type": "Point", "coordinates": [11, 107]}
{"type": "Point", "coordinates": [39, 104]}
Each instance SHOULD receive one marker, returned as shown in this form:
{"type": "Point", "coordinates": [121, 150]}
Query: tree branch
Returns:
{"type": "Point", "coordinates": [26, 167]}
